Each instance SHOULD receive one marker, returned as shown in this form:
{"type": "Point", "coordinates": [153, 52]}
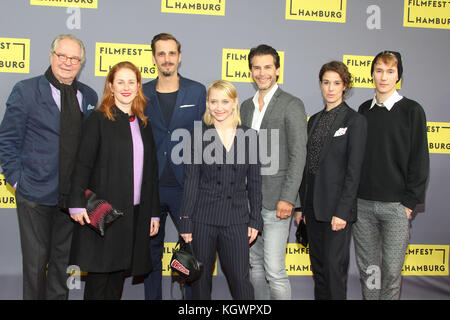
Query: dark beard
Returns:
{"type": "Point", "coordinates": [167, 73]}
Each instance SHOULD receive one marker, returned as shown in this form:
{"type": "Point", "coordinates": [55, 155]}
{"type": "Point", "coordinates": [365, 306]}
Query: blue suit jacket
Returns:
{"type": "Point", "coordinates": [190, 106]}
{"type": "Point", "coordinates": [29, 138]}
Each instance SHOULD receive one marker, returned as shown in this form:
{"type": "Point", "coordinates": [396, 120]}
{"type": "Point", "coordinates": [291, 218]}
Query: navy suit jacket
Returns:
{"type": "Point", "coordinates": [29, 138]}
{"type": "Point", "coordinates": [190, 106]}
{"type": "Point", "coordinates": [337, 179]}
{"type": "Point", "coordinates": [220, 192]}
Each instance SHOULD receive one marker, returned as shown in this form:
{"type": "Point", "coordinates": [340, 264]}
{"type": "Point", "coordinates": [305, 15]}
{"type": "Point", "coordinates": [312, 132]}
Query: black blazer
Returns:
{"type": "Point", "coordinates": [337, 179]}
{"type": "Point", "coordinates": [105, 165]}
{"type": "Point", "coordinates": [223, 193]}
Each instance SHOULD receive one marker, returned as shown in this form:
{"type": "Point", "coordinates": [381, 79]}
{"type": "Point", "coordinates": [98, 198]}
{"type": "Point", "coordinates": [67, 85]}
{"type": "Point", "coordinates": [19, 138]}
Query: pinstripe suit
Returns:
{"type": "Point", "coordinates": [220, 201]}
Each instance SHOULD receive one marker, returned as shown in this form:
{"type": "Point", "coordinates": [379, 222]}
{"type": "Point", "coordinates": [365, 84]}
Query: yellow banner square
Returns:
{"type": "Point", "coordinates": [203, 7]}
{"type": "Point", "coordinates": [297, 260]}
{"type": "Point", "coordinates": [89, 4]}
{"type": "Point", "coordinates": [323, 10]}
{"type": "Point", "coordinates": [426, 260]}
{"type": "Point", "coordinates": [109, 54]}
{"type": "Point", "coordinates": [434, 14]}
{"type": "Point", "coordinates": [438, 134]}
{"type": "Point", "coordinates": [359, 67]}
{"type": "Point", "coordinates": [7, 194]}
{"type": "Point", "coordinates": [235, 65]}
{"type": "Point", "coordinates": [14, 55]}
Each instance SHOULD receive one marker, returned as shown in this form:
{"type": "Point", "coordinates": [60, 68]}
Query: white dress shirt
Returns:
{"type": "Point", "coordinates": [389, 103]}
{"type": "Point", "coordinates": [258, 115]}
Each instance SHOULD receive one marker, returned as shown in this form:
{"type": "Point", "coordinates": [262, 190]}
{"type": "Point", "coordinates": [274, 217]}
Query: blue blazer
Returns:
{"type": "Point", "coordinates": [190, 106]}
{"type": "Point", "coordinates": [29, 138]}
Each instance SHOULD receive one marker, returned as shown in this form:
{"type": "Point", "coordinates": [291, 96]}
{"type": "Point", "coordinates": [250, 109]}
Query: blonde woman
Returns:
{"type": "Point", "coordinates": [221, 207]}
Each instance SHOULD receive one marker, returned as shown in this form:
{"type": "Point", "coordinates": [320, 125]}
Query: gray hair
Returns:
{"type": "Point", "coordinates": [56, 41]}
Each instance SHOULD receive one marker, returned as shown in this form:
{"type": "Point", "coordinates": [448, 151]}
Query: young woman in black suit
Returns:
{"type": "Point", "coordinates": [221, 206]}
{"type": "Point", "coordinates": [117, 161]}
{"type": "Point", "coordinates": [335, 151]}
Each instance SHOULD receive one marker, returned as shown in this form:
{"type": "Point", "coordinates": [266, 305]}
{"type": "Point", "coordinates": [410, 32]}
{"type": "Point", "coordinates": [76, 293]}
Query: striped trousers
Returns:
{"type": "Point", "coordinates": [231, 244]}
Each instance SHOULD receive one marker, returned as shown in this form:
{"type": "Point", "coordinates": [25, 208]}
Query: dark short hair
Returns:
{"type": "Point", "coordinates": [341, 69]}
{"type": "Point", "coordinates": [263, 49]}
{"type": "Point", "coordinates": [164, 36]}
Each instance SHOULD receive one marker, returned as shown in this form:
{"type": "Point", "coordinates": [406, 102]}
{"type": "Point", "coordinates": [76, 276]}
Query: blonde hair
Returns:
{"type": "Point", "coordinates": [229, 90]}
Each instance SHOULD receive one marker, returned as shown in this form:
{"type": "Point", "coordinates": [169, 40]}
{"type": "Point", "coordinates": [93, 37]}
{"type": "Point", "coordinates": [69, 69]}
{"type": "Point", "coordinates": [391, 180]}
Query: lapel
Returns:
{"type": "Point", "coordinates": [270, 108]}
{"type": "Point", "coordinates": [180, 97]}
{"type": "Point", "coordinates": [48, 103]}
{"type": "Point", "coordinates": [46, 96]}
{"type": "Point", "coordinates": [153, 104]}
{"type": "Point", "coordinates": [337, 123]}
{"type": "Point", "coordinates": [247, 113]}
{"type": "Point", "coordinates": [83, 99]}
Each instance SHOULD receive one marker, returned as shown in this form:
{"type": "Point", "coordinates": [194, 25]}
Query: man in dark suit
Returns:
{"type": "Point", "coordinates": [173, 102]}
{"type": "Point", "coordinates": [275, 114]}
{"type": "Point", "coordinates": [39, 136]}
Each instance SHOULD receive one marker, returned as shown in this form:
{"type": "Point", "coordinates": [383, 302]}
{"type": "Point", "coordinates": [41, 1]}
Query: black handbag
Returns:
{"type": "Point", "coordinates": [301, 234]}
{"type": "Point", "coordinates": [184, 263]}
{"type": "Point", "coordinates": [100, 212]}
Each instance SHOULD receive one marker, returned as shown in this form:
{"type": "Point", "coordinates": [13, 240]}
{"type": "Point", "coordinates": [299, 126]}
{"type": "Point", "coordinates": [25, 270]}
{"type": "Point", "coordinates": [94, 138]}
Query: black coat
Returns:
{"type": "Point", "coordinates": [105, 165]}
{"type": "Point", "coordinates": [337, 179]}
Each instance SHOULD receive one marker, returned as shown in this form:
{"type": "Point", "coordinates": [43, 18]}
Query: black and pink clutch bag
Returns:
{"type": "Point", "coordinates": [100, 212]}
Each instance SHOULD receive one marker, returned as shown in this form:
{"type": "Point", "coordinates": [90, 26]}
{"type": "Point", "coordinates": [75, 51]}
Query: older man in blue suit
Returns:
{"type": "Point", "coordinates": [174, 102]}
{"type": "Point", "coordinates": [39, 137]}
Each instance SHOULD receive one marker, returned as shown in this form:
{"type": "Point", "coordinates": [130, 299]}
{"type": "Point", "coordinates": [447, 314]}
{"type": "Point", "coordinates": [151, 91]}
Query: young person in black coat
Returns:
{"type": "Point", "coordinates": [335, 152]}
{"type": "Point", "coordinates": [222, 200]}
{"type": "Point", "coordinates": [117, 161]}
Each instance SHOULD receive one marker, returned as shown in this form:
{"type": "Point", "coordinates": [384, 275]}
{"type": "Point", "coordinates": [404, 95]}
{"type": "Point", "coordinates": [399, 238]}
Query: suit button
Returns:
{"type": "Point", "coordinates": [229, 197]}
{"type": "Point", "coordinates": [218, 182]}
{"type": "Point", "coordinates": [218, 167]}
{"type": "Point", "coordinates": [232, 183]}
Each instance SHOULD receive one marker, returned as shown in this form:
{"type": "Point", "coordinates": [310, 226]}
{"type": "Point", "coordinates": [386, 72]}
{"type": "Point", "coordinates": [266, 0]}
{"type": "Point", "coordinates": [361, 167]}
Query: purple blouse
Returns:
{"type": "Point", "coordinates": [138, 164]}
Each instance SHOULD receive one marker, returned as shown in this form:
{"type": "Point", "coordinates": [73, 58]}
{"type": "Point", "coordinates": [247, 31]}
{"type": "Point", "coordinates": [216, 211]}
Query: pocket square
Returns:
{"type": "Point", "coordinates": [187, 105]}
{"type": "Point", "coordinates": [90, 107]}
{"type": "Point", "coordinates": [340, 132]}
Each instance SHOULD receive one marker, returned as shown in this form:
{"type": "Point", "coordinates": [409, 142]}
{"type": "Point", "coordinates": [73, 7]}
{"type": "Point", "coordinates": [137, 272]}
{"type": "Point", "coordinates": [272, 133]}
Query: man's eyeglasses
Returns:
{"type": "Point", "coordinates": [64, 58]}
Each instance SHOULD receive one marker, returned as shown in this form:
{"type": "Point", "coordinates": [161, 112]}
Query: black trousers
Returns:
{"type": "Point", "coordinates": [329, 252]}
{"type": "Point", "coordinates": [45, 236]}
{"type": "Point", "coordinates": [104, 286]}
{"type": "Point", "coordinates": [232, 245]}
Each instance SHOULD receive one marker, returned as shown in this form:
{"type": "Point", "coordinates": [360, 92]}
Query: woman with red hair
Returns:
{"type": "Point", "coordinates": [117, 161]}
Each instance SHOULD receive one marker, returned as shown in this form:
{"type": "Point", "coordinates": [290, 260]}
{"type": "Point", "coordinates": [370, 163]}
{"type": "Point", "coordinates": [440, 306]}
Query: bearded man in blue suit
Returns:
{"type": "Point", "coordinates": [173, 102]}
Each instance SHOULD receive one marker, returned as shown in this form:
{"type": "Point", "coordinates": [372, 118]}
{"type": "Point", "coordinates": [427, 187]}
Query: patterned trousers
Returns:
{"type": "Point", "coordinates": [381, 237]}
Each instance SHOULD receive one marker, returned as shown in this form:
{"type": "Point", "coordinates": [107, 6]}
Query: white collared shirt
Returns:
{"type": "Point", "coordinates": [258, 115]}
{"type": "Point", "coordinates": [389, 103]}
